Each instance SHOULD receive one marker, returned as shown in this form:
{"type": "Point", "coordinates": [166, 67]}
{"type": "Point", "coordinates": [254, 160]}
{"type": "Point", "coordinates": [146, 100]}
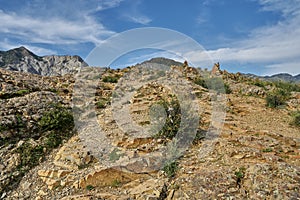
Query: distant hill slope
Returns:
{"type": "Point", "coordinates": [282, 76]}
{"type": "Point", "coordinates": [163, 61]}
{"type": "Point", "coordinates": [21, 59]}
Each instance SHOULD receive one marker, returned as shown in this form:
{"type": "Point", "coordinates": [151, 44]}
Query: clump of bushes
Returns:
{"type": "Point", "coordinates": [110, 79]}
{"type": "Point", "coordinates": [172, 123]}
{"type": "Point", "coordinates": [101, 103]}
{"type": "Point", "coordinates": [296, 118]}
{"type": "Point", "coordinates": [59, 118]}
{"type": "Point", "coordinates": [215, 83]}
{"type": "Point", "coordinates": [171, 168]}
{"type": "Point", "coordinates": [277, 98]}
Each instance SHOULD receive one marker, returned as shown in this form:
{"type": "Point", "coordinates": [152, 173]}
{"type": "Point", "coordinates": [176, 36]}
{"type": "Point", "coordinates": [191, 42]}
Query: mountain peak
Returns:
{"type": "Point", "coordinates": [22, 59]}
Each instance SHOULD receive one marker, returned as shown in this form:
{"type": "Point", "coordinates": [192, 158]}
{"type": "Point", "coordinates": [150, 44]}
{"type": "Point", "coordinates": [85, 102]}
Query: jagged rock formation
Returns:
{"type": "Point", "coordinates": [256, 155]}
{"type": "Point", "coordinates": [21, 59]}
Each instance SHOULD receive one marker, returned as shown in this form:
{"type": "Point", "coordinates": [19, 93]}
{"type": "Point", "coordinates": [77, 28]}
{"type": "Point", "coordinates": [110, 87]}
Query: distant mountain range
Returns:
{"type": "Point", "coordinates": [277, 77]}
{"type": "Point", "coordinates": [21, 59]}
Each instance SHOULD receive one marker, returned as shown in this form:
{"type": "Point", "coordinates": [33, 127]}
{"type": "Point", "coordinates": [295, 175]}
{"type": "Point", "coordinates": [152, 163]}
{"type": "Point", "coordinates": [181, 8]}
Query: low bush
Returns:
{"type": "Point", "coordinates": [110, 79]}
{"type": "Point", "coordinates": [296, 118]}
{"type": "Point", "coordinates": [59, 118]}
{"type": "Point", "coordinates": [172, 123]}
{"type": "Point", "coordinates": [171, 168]}
{"type": "Point", "coordinates": [277, 98]}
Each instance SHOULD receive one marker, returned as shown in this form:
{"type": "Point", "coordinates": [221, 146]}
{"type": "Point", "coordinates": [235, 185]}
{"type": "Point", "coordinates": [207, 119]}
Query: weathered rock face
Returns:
{"type": "Point", "coordinates": [23, 60]}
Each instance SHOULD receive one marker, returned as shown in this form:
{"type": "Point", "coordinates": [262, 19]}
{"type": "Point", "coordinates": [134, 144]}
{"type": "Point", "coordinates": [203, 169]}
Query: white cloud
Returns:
{"type": "Point", "coordinates": [52, 31]}
{"type": "Point", "coordinates": [138, 19]}
{"type": "Point", "coordinates": [54, 22]}
{"type": "Point", "coordinates": [279, 44]}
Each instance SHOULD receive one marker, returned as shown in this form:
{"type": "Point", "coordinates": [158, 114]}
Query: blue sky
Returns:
{"type": "Point", "coordinates": [255, 36]}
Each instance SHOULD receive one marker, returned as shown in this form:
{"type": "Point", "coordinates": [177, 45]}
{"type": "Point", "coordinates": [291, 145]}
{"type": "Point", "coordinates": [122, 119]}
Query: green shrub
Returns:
{"type": "Point", "coordinates": [57, 119]}
{"type": "Point", "coordinates": [200, 81]}
{"type": "Point", "coordinates": [296, 118]}
{"type": "Point", "coordinates": [277, 98]}
{"type": "Point", "coordinates": [227, 88]}
{"type": "Point", "coordinates": [101, 103]}
{"type": "Point", "coordinates": [266, 150]}
{"type": "Point", "coordinates": [30, 155]}
{"type": "Point", "coordinates": [22, 92]}
{"type": "Point", "coordinates": [89, 187]}
{"type": "Point", "coordinates": [116, 183]}
{"type": "Point", "coordinates": [287, 86]}
{"type": "Point", "coordinates": [171, 168]}
{"type": "Point", "coordinates": [240, 174]}
{"type": "Point", "coordinates": [110, 79]}
{"type": "Point", "coordinates": [172, 123]}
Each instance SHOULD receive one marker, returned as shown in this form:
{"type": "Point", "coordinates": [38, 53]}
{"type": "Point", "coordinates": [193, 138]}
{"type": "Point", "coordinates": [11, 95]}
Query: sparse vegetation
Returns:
{"type": "Point", "coordinates": [200, 81]}
{"type": "Point", "coordinates": [22, 92]}
{"type": "Point", "coordinates": [296, 118]}
{"type": "Point", "coordinates": [277, 98]}
{"type": "Point", "coordinates": [172, 123]}
{"type": "Point", "coordinates": [215, 83]}
{"type": "Point", "coordinates": [89, 187]}
{"type": "Point", "coordinates": [30, 155]}
{"type": "Point", "coordinates": [110, 79]}
{"type": "Point", "coordinates": [266, 150]}
{"type": "Point", "coordinates": [59, 118]}
{"type": "Point", "coordinates": [240, 174]}
{"type": "Point", "coordinates": [116, 183]}
{"type": "Point", "coordinates": [171, 168]}
{"type": "Point", "coordinates": [101, 103]}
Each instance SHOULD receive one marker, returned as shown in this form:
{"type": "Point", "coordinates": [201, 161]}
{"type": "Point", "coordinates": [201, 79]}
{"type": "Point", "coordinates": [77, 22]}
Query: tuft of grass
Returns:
{"type": "Point", "coordinates": [101, 103]}
{"type": "Point", "coordinates": [89, 187]}
{"type": "Point", "coordinates": [239, 175]}
{"type": "Point", "coordinates": [171, 168]}
{"type": "Point", "coordinates": [116, 183]}
{"type": "Point", "coordinates": [22, 92]}
{"type": "Point", "coordinates": [266, 150]}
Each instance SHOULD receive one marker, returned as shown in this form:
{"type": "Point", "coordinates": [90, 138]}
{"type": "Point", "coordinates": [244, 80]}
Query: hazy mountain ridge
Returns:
{"type": "Point", "coordinates": [23, 60]}
{"type": "Point", "coordinates": [282, 76]}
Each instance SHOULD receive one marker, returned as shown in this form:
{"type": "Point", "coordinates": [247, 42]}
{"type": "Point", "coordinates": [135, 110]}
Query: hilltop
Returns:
{"type": "Point", "coordinates": [44, 154]}
{"type": "Point", "coordinates": [23, 60]}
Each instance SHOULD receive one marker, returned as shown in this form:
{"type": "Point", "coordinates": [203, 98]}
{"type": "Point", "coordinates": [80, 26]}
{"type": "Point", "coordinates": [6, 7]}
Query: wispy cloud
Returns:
{"type": "Point", "coordinates": [53, 22]}
{"type": "Point", "coordinates": [144, 20]}
{"type": "Point", "coordinates": [276, 47]}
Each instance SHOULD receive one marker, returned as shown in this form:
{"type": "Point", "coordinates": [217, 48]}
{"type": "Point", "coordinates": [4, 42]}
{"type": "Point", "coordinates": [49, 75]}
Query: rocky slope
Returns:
{"type": "Point", "coordinates": [21, 59]}
{"type": "Point", "coordinates": [255, 156]}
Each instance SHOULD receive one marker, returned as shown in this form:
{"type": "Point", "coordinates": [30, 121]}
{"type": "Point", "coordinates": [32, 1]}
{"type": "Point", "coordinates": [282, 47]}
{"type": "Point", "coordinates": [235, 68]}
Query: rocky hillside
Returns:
{"type": "Point", "coordinates": [254, 154]}
{"type": "Point", "coordinates": [21, 59]}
